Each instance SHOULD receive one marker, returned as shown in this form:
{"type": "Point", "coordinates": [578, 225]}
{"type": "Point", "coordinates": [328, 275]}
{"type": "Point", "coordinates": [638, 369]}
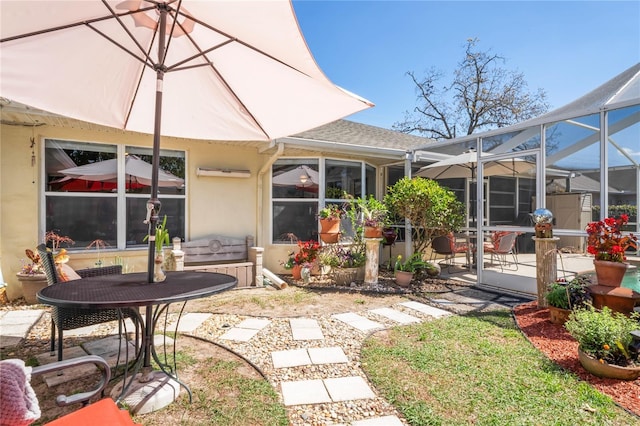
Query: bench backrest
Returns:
{"type": "Point", "coordinates": [216, 249]}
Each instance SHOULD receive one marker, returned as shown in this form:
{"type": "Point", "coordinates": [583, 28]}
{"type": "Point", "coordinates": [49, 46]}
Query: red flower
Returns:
{"type": "Point", "coordinates": [605, 240]}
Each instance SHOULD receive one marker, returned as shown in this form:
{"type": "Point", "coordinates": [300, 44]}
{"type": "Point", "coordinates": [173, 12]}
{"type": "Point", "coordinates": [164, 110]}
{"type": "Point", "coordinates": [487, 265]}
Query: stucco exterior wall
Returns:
{"type": "Point", "coordinates": [215, 205]}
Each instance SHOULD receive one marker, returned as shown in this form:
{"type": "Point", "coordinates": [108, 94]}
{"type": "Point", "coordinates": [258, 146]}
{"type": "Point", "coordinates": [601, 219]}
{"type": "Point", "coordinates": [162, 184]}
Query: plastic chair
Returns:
{"type": "Point", "coordinates": [72, 318]}
{"type": "Point", "coordinates": [503, 244]}
{"type": "Point", "coordinates": [22, 409]}
{"type": "Point", "coordinates": [446, 245]}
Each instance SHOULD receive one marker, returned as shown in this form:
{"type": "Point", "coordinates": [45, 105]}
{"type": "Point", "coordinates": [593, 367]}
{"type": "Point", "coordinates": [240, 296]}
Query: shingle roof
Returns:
{"type": "Point", "coordinates": [350, 132]}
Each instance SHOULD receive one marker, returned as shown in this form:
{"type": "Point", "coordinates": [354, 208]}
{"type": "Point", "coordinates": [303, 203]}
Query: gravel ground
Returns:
{"type": "Point", "coordinates": [322, 299]}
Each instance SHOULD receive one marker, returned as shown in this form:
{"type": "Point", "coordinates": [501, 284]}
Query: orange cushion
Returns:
{"type": "Point", "coordinates": [66, 273]}
{"type": "Point", "coordinates": [102, 413]}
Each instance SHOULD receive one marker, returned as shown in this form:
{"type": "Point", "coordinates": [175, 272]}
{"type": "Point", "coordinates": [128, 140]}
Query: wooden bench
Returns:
{"type": "Point", "coordinates": [217, 253]}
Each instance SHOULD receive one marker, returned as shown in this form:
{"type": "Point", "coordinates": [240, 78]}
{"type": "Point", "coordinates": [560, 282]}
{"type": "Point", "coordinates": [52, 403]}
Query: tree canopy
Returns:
{"type": "Point", "coordinates": [482, 95]}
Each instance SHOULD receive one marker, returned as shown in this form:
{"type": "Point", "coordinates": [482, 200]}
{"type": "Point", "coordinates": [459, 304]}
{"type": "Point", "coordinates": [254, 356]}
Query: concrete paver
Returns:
{"type": "Point", "coordinates": [304, 392]}
{"type": "Point", "coordinates": [396, 315]}
{"type": "Point", "coordinates": [426, 309]}
{"type": "Point", "coordinates": [348, 388]}
{"type": "Point", "coordinates": [290, 358]}
{"type": "Point", "coordinates": [305, 329]}
{"type": "Point", "coordinates": [331, 355]}
{"type": "Point", "coordinates": [358, 321]}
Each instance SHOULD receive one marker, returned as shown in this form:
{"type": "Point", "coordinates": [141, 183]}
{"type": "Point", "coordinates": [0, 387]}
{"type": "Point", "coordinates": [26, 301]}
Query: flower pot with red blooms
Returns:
{"type": "Point", "coordinates": [307, 255]}
{"type": "Point", "coordinates": [608, 244]}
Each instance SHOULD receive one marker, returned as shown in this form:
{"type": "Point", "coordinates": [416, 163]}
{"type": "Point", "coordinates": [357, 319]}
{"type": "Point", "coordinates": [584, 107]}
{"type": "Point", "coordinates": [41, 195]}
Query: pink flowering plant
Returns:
{"type": "Point", "coordinates": [605, 240]}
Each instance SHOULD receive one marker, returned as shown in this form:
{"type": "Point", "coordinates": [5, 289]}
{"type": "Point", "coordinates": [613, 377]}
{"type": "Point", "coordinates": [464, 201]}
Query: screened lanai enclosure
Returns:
{"type": "Point", "coordinates": [580, 161]}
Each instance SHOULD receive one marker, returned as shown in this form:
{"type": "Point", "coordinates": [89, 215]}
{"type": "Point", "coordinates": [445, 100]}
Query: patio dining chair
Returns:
{"type": "Point", "coordinates": [72, 318]}
{"type": "Point", "coordinates": [19, 404]}
{"type": "Point", "coordinates": [503, 244]}
{"type": "Point", "coordinates": [447, 246]}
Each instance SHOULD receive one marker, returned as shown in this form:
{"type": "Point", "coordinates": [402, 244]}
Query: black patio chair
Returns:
{"type": "Point", "coordinates": [72, 318]}
{"type": "Point", "coordinates": [446, 245]}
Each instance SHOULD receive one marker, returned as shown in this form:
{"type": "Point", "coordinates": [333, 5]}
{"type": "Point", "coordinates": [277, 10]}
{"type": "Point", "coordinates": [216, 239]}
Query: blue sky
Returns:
{"type": "Point", "coordinates": [567, 48]}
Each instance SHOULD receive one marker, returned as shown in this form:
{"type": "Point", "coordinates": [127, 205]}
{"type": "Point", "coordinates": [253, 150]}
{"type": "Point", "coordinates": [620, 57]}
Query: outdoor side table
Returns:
{"type": "Point", "coordinates": [133, 290]}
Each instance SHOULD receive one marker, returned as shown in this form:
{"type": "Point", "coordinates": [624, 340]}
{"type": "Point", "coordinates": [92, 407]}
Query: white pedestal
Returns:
{"type": "Point", "coordinates": [371, 267]}
{"type": "Point", "coordinates": [143, 398]}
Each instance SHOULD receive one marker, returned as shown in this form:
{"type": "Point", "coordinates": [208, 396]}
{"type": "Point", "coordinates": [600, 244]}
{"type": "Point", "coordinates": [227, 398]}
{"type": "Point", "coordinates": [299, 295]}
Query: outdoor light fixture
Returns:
{"type": "Point", "coordinates": [229, 173]}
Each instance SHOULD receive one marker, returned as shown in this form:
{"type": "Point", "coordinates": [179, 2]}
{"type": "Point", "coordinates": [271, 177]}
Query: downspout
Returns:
{"type": "Point", "coordinates": [259, 201]}
{"type": "Point", "coordinates": [408, 243]}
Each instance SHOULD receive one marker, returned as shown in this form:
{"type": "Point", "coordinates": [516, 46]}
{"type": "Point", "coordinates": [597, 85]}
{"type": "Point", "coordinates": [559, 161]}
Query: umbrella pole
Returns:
{"type": "Point", "coordinates": [154, 202]}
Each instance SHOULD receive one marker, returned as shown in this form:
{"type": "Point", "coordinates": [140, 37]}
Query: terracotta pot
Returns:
{"type": "Point", "coordinates": [329, 238]}
{"type": "Point", "coordinates": [605, 370]}
{"type": "Point", "coordinates": [403, 278]}
{"type": "Point", "coordinates": [296, 272]}
{"type": "Point", "coordinates": [610, 273]}
{"type": "Point", "coordinates": [558, 315]}
{"type": "Point", "coordinates": [329, 225]}
{"type": "Point", "coordinates": [31, 285]}
{"type": "Point", "coordinates": [372, 232]}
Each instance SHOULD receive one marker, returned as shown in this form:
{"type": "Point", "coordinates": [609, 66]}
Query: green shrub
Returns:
{"type": "Point", "coordinates": [603, 334]}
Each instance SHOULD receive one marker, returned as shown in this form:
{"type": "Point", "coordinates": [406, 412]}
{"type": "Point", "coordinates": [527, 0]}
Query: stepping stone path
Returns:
{"type": "Point", "coordinates": [16, 324]}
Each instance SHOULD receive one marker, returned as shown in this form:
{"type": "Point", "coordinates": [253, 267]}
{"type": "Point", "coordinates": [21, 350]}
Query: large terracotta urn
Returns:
{"type": "Point", "coordinates": [610, 273]}
{"type": "Point", "coordinates": [31, 285]}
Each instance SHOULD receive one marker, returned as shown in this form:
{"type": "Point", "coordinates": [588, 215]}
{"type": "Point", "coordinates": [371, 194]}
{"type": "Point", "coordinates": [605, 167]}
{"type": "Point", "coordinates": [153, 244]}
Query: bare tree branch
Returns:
{"type": "Point", "coordinates": [482, 96]}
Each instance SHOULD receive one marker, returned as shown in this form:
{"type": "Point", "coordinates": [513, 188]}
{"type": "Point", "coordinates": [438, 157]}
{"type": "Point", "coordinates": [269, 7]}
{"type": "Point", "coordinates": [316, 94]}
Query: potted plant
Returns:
{"type": "Point", "coordinates": [430, 208]}
{"type": "Point", "coordinates": [32, 277]}
{"type": "Point", "coordinates": [606, 242]}
{"type": "Point", "coordinates": [345, 261]}
{"type": "Point", "coordinates": [307, 255]}
{"type": "Point", "coordinates": [563, 297]}
{"type": "Point", "coordinates": [404, 271]}
{"type": "Point", "coordinates": [605, 342]}
{"type": "Point", "coordinates": [329, 218]}
{"type": "Point", "coordinates": [162, 239]}
{"type": "Point", "coordinates": [369, 216]}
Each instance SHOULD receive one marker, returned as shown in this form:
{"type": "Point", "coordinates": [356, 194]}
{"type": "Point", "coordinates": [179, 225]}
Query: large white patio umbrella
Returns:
{"type": "Point", "coordinates": [136, 171]}
{"type": "Point", "coordinates": [204, 69]}
{"type": "Point", "coordinates": [465, 166]}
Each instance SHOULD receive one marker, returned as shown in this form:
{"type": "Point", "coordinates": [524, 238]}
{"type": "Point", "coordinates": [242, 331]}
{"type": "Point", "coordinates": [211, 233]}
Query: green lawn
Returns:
{"type": "Point", "coordinates": [479, 369]}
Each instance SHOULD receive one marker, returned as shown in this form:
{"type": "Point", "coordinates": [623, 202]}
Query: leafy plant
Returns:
{"type": "Point", "coordinates": [431, 209]}
{"type": "Point", "coordinates": [604, 334]}
{"type": "Point", "coordinates": [331, 211]}
{"type": "Point", "coordinates": [569, 295]}
{"type": "Point", "coordinates": [412, 264]}
{"type": "Point", "coordinates": [162, 235]}
{"type": "Point", "coordinates": [343, 256]}
{"type": "Point", "coordinates": [367, 211]}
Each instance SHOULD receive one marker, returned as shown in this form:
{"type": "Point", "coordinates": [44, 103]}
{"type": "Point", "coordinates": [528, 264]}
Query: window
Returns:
{"type": "Point", "coordinates": [99, 191]}
{"type": "Point", "coordinates": [296, 188]}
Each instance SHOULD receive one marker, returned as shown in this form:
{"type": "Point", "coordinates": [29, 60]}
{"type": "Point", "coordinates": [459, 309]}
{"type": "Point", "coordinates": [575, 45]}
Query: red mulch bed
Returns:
{"type": "Point", "coordinates": [558, 345]}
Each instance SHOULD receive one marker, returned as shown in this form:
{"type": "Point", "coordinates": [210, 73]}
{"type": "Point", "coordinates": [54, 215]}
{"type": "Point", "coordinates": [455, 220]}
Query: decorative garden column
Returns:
{"type": "Point", "coordinates": [546, 266]}
{"type": "Point", "coordinates": [371, 267]}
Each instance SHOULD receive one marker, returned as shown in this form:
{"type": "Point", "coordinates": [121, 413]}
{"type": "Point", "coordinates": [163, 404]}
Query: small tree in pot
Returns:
{"type": "Point", "coordinates": [431, 209]}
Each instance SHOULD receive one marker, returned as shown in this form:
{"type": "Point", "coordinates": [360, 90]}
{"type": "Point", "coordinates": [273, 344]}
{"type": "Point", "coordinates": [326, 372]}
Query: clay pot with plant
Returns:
{"type": "Point", "coordinates": [565, 296]}
{"type": "Point", "coordinates": [368, 216]}
{"type": "Point", "coordinates": [405, 270]}
{"type": "Point", "coordinates": [608, 245]}
{"type": "Point", "coordinates": [330, 220]}
{"type": "Point", "coordinates": [606, 342]}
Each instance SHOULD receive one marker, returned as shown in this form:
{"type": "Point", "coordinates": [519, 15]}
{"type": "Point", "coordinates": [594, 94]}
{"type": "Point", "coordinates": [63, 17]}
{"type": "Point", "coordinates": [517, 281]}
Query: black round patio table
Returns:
{"type": "Point", "coordinates": [133, 290]}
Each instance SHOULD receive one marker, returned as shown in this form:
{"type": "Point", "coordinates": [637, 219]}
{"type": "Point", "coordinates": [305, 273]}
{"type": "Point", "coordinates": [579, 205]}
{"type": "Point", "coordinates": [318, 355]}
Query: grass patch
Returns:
{"type": "Point", "coordinates": [479, 369]}
{"type": "Point", "coordinates": [222, 397]}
